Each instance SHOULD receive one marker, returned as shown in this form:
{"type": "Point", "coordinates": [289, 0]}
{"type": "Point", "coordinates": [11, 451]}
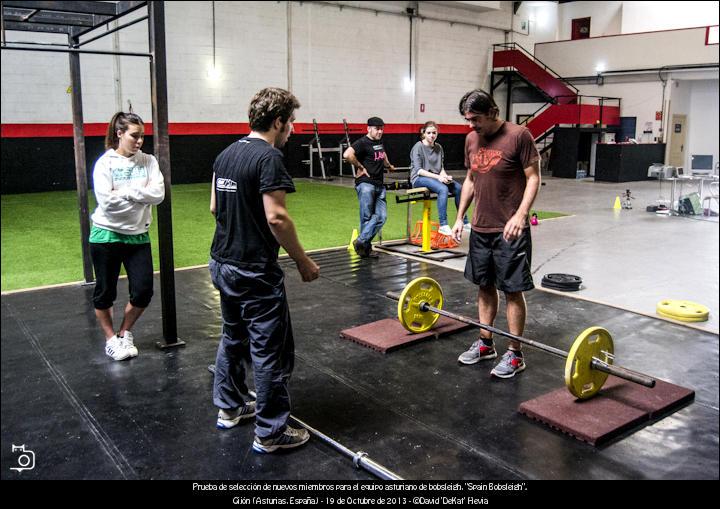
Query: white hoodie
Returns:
{"type": "Point", "coordinates": [125, 190]}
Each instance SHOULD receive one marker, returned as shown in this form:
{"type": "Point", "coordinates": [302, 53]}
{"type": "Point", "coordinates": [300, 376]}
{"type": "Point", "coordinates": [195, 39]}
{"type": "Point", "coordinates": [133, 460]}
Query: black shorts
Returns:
{"type": "Point", "coordinates": [494, 262]}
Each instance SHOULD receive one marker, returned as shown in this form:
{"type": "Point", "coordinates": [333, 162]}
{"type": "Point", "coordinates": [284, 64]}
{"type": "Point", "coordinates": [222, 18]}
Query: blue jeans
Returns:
{"type": "Point", "coordinates": [373, 210]}
{"type": "Point", "coordinates": [442, 191]}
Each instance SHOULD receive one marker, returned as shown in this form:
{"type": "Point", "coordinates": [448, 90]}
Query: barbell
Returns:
{"type": "Point", "coordinates": [589, 361]}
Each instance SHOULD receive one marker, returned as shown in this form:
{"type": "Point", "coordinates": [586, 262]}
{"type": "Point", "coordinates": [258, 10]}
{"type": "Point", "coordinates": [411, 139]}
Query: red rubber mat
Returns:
{"type": "Point", "coordinates": [619, 408]}
{"type": "Point", "coordinates": [388, 334]}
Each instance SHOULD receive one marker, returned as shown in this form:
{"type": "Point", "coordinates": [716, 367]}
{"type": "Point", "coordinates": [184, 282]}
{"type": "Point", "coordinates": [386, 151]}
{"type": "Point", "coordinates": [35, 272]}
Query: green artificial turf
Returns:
{"type": "Point", "coordinates": [41, 234]}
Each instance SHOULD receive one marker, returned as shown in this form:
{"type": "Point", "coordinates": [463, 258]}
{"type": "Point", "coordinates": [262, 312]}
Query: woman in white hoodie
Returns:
{"type": "Point", "coordinates": [127, 184]}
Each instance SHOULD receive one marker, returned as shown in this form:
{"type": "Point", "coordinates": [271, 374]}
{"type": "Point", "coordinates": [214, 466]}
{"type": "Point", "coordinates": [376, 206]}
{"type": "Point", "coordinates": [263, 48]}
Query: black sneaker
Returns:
{"type": "Point", "coordinates": [360, 248]}
{"type": "Point", "coordinates": [290, 438]}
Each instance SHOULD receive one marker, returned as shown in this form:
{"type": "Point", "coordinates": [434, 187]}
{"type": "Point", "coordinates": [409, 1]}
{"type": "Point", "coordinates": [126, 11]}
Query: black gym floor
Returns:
{"type": "Point", "coordinates": [415, 410]}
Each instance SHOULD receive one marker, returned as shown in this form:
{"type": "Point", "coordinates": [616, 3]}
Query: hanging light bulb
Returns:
{"type": "Point", "coordinates": [408, 84]}
{"type": "Point", "coordinates": [213, 72]}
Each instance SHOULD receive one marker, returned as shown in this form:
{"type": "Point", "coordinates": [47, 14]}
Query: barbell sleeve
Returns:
{"type": "Point", "coordinates": [360, 459]}
{"type": "Point", "coordinates": [624, 373]}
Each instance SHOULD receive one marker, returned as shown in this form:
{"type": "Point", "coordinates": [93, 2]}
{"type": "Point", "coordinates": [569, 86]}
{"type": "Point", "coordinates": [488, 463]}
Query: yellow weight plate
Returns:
{"type": "Point", "coordinates": [683, 310]}
{"type": "Point", "coordinates": [422, 289]}
{"type": "Point", "coordinates": [581, 379]}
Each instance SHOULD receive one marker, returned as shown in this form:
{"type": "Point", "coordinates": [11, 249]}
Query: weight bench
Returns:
{"type": "Point", "coordinates": [413, 194]}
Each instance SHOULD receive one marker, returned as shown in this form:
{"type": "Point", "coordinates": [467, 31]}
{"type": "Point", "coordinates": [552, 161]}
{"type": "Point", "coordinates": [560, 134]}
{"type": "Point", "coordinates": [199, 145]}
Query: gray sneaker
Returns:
{"type": "Point", "coordinates": [291, 437]}
{"type": "Point", "coordinates": [230, 418]}
{"type": "Point", "coordinates": [477, 352]}
{"type": "Point", "coordinates": [509, 365]}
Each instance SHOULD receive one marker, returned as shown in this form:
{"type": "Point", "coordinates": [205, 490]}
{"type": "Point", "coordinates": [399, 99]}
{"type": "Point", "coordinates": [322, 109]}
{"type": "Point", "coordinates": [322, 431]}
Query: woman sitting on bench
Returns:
{"type": "Point", "coordinates": [427, 170]}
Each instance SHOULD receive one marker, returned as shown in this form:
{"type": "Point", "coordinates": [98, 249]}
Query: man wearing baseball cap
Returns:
{"type": "Point", "coordinates": [370, 160]}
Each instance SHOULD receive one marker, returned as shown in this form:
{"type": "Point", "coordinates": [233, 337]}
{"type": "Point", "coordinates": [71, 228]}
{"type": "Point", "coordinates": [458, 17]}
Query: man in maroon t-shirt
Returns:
{"type": "Point", "coordinates": [503, 177]}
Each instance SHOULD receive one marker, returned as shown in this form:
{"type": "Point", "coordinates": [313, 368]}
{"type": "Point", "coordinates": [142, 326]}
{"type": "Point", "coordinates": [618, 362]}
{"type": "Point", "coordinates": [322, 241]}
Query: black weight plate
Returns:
{"type": "Point", "coordinates": [561, 288]}
{"type": "Point", "coordinates": [566, 282]}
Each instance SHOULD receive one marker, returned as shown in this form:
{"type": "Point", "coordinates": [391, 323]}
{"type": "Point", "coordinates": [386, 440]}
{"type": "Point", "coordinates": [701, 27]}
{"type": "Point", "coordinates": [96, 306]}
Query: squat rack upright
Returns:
{"type": "Point", "coordinates": [315, 147]}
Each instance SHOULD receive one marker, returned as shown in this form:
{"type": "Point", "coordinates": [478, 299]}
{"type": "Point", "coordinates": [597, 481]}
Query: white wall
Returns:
{"type": "Point", "coordinates": [650, 16]}
{"type": "Point", "coordinates": [535, 23]}
{"type": "Point", "coordinates": [698, 99]}
{"type": "Point", "coordinates": [250, 54]}
{"type": "Point", "coordinates": [611, 18]}
{"type": "Point", "coordinates": [453, 12]}
{"type": "Point", "coordinates": [35, 85]}
{"type": "Point", "coordinates": [640, 99]}
{"type": "Point", "coordinates": [343, 65]}
{"type": "Point", "coordinates": [606, 17]}
{"type": "Point", "coordinates": [627, 52]}
{"type": "Point", "coordinates": [447, 70]}
{"type": "Point", "coordinates": [703, 119]}
{"type": "Point", "coordinates": [679, 102]}
{"type": "Point", "coordinates": [345, 62]}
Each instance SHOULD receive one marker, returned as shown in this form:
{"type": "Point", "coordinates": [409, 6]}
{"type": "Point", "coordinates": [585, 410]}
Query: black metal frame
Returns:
{"type": "Point", "coordinates": [76, 19]}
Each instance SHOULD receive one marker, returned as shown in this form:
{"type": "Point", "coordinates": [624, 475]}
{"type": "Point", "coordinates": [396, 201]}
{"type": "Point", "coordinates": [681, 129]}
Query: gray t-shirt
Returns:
{"type": "Point", "coordinates": [426, 158]}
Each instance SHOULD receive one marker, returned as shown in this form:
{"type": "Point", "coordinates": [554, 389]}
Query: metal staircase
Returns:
{"type": "Point", "coordinates": [564, 105]}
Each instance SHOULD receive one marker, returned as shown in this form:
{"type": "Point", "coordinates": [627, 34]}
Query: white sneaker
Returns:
{"type": "Point", "coordinates": [117, 348]}
{"type": "Point", "coordinates": [445, 230]}
{"type": "Point", "coordinates": [129, 340]}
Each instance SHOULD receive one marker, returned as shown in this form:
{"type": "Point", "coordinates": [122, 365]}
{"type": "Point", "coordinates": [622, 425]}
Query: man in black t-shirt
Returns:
{"type": "Point", "coordinates": [370, 160]}
{"type": "Point", "coordinates": [252, 222]}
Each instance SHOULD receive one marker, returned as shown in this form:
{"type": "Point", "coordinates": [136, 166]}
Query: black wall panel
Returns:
{"type": "Point", "coordinates": [564, 154]}
{"type": "Point", "coordinates": [48, 164]}
{"type": "Point", "coordinates": [627, 162]}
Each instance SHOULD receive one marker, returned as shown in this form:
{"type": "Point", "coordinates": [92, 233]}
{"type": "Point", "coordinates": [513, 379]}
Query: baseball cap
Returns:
{"type": "Point", "coordinates": [375, 122]}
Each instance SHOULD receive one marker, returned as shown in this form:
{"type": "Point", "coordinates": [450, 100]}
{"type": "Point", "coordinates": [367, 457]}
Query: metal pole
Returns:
{"type": "Point", "coordinates": [2, 25]}
{"type": "Point", "coordinates": [632, 376]}
{"type": "Point", "coordinates": [508, 99]}
{"type": "Point", "coordinates": [80, 164]}
{"type": "Point", "coordinates": [80, 51]}
{"type": "Point", "coordinates": [319, 150]}
{"type": "Point", "coordinates": [161, 144]}
{"type": "Point", "coordinates": [110, 31]}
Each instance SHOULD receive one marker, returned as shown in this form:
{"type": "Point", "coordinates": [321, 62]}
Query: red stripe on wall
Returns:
{"type": "Point", "coordinates": [199, 128]}
{"type": "Point", "coordinates": [48, 130]}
